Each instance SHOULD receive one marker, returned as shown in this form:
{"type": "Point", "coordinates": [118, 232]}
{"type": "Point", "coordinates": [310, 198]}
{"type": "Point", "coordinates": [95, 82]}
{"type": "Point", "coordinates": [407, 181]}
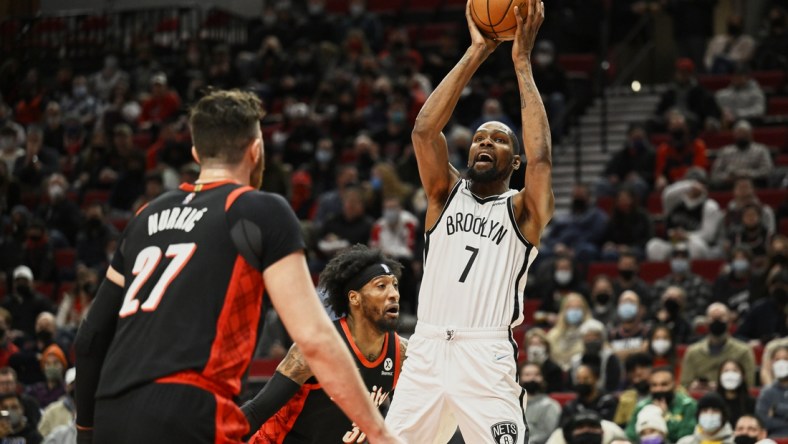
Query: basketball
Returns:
{"type": "Point", "coordinates": [495, 18]}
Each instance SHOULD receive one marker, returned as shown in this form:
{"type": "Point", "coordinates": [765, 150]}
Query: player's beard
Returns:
{"type": "Point", "coordinates": [487, 176]}
{"type": "Point", "coordinates": [378, 317]}
{"type": "Point", "coordinates": [256, 176]}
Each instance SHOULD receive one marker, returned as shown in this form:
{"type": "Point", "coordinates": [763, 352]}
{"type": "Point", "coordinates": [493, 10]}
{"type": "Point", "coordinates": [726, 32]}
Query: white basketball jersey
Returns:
{"type": "Point", "coordinates": [475, 263]}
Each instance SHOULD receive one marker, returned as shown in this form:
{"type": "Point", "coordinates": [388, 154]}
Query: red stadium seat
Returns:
{"type": "Point", "coordinates": [708, 269]}
{"type": "Point", "coordinates": [65, 258]}
{"type": "Point", "coordinates": [681, 349]}
{"type": "Point", "coordinates": [598, 268]}
{"type": "Point", "coordinates": [770, 81]}
{"type": "Point", "coordinates": [755, 392]}
{"type": "Point", "coordinates": [714, 82]}
{"type": "Point", "coordinates": [530, 306]}
{"type": "Point", "coordinates": [757, 350]}
{"type": "Point", "coordinates": [385, 6]}
{"type": "Point", "coordinates": [651, 271]}
{"type": "Point", "coordinates": [783, 226]}
{"type": "Point", "coordinates": [578, 65]}
{"type": "Point", "coordinates": [563, 397]}
{"type": "Point", "coordinates": [45, 288]}
{"type": "Point", "coordinates": [95, 196]}
{"type": "Point", "coordinates": [778, 106]}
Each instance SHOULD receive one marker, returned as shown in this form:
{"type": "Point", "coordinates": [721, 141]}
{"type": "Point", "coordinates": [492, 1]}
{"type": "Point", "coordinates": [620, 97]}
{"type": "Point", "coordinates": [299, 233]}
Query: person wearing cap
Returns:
{"type": "Point", "coordinates": [587, 427]}
{"type": "Point", "coordinates": [697, 290]}
{"type": "Point", "coordinates": [772, 403]}
{"type": "Point", "coordinates": [53, 364]}
{"type": "Point", "coordinates": [677, 407]}
{"type": "Point", "coordinates": [713, 425]}
{"type": "Point", "coordinates": [651, 426]}
{"type": "Point", "coordinates": [744, 158]}
{"type": "Point", "coordinates": [25, 303]}
{"type": "Point", "coordinates": [161, 105]}
{"type": "Point", "coordinates": [362, 287]}
{"type": "Point", "coordinates": [62, 411]}
{"type": "Point", "coordinates": [599, 354]}
{"type": "Point", "coordinates": [750, 430]}
{"type": "Point", "coordinates": [690, 217]}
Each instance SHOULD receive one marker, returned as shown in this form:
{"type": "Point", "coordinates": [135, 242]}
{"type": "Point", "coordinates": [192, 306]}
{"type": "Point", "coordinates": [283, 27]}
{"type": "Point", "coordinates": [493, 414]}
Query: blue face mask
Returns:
{"type": "Point", "coordinates": [710, 422]}
{"type": "Point", "coordinates": [627, 311]}
{"type": "Point", "coordinates": [574, 316]}
{"type": "Point", "coordinates": [679, 265]}
{"type": "Point", "coordinates": [740, 265]}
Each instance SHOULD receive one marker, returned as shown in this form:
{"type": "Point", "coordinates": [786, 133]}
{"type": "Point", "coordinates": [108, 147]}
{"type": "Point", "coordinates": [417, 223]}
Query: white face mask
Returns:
{"type": "Point", "coordinates": [562, 277]}
{"type": "Point", "coordinates": [730, 380]}
{"type": "Point", "coordinates": [780, 368]}
{"type": "Point", "coordinates": [537, 354]}
{"type": "Point", "coordinates": [710, 422]}
{"type": "Point", "coordinates": [660, 346]}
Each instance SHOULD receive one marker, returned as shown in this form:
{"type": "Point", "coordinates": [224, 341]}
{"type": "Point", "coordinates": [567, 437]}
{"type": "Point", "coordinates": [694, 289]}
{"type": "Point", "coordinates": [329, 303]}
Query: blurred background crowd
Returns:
{"type": "Point", "coordinates": [661, 282]}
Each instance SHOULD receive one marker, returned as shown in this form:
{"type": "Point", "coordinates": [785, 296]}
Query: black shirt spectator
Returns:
{"type": "Point", "coordinates": [60, 214]}
{"type": "Point", "coordinates": [25, 303]}
{"type": "Point", "coordinates": [589, 396]}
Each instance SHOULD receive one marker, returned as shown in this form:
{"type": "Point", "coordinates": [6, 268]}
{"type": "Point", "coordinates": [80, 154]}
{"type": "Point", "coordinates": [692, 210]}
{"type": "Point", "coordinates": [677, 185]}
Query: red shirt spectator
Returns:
{"type": "Point", "coordinates": [161, 105]}
{"type": "Point", "coordinates": [683, 152]}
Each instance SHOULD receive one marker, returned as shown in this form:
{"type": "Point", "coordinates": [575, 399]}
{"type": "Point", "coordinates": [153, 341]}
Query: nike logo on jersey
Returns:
{"type": "Point", "coordinates": [470, 223]}
{"type": "Point", "coordinates": [498, 358]}
{"type": "Point", "coordinates": [174, 219]}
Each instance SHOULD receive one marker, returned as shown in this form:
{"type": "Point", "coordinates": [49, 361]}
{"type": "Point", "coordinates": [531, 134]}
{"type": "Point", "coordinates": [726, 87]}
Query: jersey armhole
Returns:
{"type": "Point", "coordinates": [446, 205]}
{"type": "Point", "coordinates": [515, 226]}
{"type": "Point", "coordinates": [244, 233]}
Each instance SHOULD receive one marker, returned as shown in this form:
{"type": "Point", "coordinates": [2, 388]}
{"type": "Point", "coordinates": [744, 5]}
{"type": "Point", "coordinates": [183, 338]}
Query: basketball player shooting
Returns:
{"type": "Point", "coordinates": [481, 238]}
{"type": "Point", "coordinates": [362, 287]}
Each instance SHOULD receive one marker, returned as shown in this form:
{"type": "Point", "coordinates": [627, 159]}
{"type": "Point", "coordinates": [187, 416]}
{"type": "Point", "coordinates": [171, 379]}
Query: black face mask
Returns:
{"type": "Point", "coordinates": [672, 307]}
{"type": "Point", "coordinates": [44, 336]}
{"type": "Point", "coordinates": [602, 298]}
{"type": "Point", "coordinates": [780, 258]}
{"type": "Point", "coordinates": [718, 328]}
{"type": "Point", "coordinates": [583, 390]}
{"type": "Point", "coordinates": [586, 438]}
{"type": "Point", "coordinates": [593, 347]}
{"type": "Point", "coordinates": [641, 387]}
{"type": "Point", "coordinates": [667, 396]}
{"type": "Point", "coordinates": [24, 291]}
{"type": "Point", "coordinates": [532, 387]}
{"type": "Point", "coordinates": [678, 136]}
{"type": "Point", "coordinates": [742, 144]}
{"type": "Point", "coordinates": [745, 439]}
{"type": "Point", "coordinates": [734, 30]}
{"type": "Point", "coordinates": [626, 274]}
{"type": "Point", "coordinates": [579, 205]}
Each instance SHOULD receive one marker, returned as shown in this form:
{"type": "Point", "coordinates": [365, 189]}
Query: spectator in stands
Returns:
{"type": "Point", "coordinates": [772, 50]}
{"type": "Point", "coordinates": [691, 217]}
{"type": "Point", "coordinates": [742, 99]}
{"type": "Point", "coordinates": [16, 428]}
{"type": "Point", "coordinates": [537, 348]}
{"type": "Point", "coordinates": [352, 226]}
{"type": "Point", "coordinates": [696, 289]}
{"type": "Point", "coordinates": [629, 333]}
{"type": "Point", "coordinates": [10, 191]}
{"type": "Point", "coordinates": [323, 167]}
{"type": "Point", "coordinates": [38, 252]}
{"type": "Point", "coordinates": [53, 127]}
{"type": "Point", "coordinates": [630, 167]}
{"type": "Point", "coordinates": [629, 227]}
{"type": "Point", "coordinates": [601, 299]}
{"type": "Point", "coordinates": [589, 395]}
{"type": "Point", "coordinates": [766, 319]}
{"type": "Point", "coordinates": [564, 279]}
{"type": "Point", "coordinates": [772, 404]}
{"type": "Point", "coordinates": [742, 160]}
{"type": "Point", "coordinates": [76, 303]}
{"type": "Point", "coordinates": [744, 195]}
{"type": "Point", "coordinates": [750, 430]}
{"type": "Point", "coordinates": [725, 52]}
{"type": "Point", "coordinates": [38, 162]}
{"type": "Point", "coordinates": [96, 239]}
{"type": "Point", "coordinates": [598, 354]}
{"type": "Point", "coordinates": [651, 426]}
{"type": "Point", "coordinates": [565, 338]}
{"type": "Point", "coordinates": [671, 313]}
{"type": "Point", "coordinates": [713, 422]}
{"type": "Point", "coordinates": [693, 26]}
{"type": "Point", "coordinates": [7, 346]}
{"type": "Point", "coordinates": [628, 279]}
{"type": "Point", "coordinates": [162, 104]}
{"type": "Point", "coordinates": [662, 348]}
{"type": "Point", "coordinates": [368, 22]}
{"type": "Point", "coordinates": [678, 408]}
{"type": "Point", "coordinates": [676, 156]}
{"type": "Point", "coordinates": [582, 230]}
{"type": "Point", "coordinates": [638, 369]}
{"type": "Point", "coordinates": [551, 78]}
{"type": "Point", "coordinates": [80, 104]}
{"type": "Point", "coordinates": [60, 214]}
{"type": "Point", "coordinates": [732, 387]}
{"type": "Point", "coordinates": [25, 303]}
{"type": "Point", "coordinates": [130, 184]}
{"type": "Point", "coordinates": [10, 150]}
{"type": "Point", "coordinates": [735, 285]}
{"type": "Point", "coordinates": [752, 234]}
{"type": "Point", "coordinates": [62, 411]}
{"type": "Point", "coordinates": [702, 360]}
{"type": "Point", "coordinates": [543, 412]}
{"type": "Point", "coordinates": [154, 187]}
{"type": "Point", "coordinates": [27, 362]}
{"type": "Point", "coordinates": [686, 97]}
{"type": "Point", "coordinates": [103, 82]}
{"type": "Point", "coordinates": [54, 364]}
{"type": "Point", "coordinates": [9, 385]}
{"type": "Point", "coordinates": [330, 203]}
{"type": "Point", "coordinates": [587, 427]}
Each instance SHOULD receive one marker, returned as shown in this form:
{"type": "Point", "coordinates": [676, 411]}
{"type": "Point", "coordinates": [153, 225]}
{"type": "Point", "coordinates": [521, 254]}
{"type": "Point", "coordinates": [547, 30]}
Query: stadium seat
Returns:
{"type": "Point", "coordinates": [777, 106]}
{"type": "Point", "coordinates": [563, 397]}
{"type": "Point", "coordinates": [95, 196]}
{"type": "Point", "coordinates": [757, 350]}
{"type": "Point", "coordinates": [386, 6]}
{"type": "Point", "coordinates": [651, 271]}
{"type": "Point", "coordinates": [262, 369]}
{"type": "Point", "coordinates": [45, 288]}
{"type": "Point", "coordinates": [599, 268]}
{"type": "Point", "coordinates": [681, 349]}
{"type": "Point", "coordinates": [65, 258]}
{"type": "Point", "coordinates": [578, 65]}
{"type": "Point", "coordinates": [708, 269]}
{"type": "Point", "coordinates": [530, 306]}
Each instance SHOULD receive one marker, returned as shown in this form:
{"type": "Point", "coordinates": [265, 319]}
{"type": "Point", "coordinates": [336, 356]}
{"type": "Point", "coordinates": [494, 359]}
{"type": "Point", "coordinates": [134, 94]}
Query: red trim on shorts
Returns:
{"type": "Point", "coordinates": [397, 360]}
{"type": "Point", "coordinates": [231, 424]}
{"type": "Point", "coordinates": [364, 361]}
{"type": "Point", "coordinates": [191, 377]}
{"type": "Point", "coordinates": [191, 187]}
{"type": "Point", "coordinates": [235, 194]}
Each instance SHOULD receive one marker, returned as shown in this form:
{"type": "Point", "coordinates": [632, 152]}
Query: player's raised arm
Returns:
{"type": "Point", "coordinates": [429, 142]}
{"type": "Point", "coordinates": [536, 200]}
{"type": "Point", "coordinates": [295, 299]}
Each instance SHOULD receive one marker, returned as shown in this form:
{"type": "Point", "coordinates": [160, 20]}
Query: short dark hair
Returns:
{"type": "Point", "coordinates": [344, 267]}
{"type": "Point", "coordinates": [638, 360]}
{"type": "Point", "coordinates": [223, 123]}
{"type": "Point", "coordinates": [662, 369]}
{"type": "Point", "coordinates": [755, 417]}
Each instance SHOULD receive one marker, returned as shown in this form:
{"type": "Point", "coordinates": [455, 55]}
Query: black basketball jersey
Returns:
{"type": "Point", "coordinates": [311, 417]}
{"type": "Point", "coordinates": [192, 261]}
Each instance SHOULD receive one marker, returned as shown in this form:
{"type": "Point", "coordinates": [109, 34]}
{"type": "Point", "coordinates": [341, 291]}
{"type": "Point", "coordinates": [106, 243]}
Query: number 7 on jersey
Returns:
{"type": "Point", "coordinates": [474, 252]}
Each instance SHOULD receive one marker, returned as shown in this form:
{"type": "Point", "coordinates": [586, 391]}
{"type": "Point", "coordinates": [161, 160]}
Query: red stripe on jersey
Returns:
{"type": "Point", "coordinates": [234, 195]}
{"type": "Point", "coordinates": [231, 424]}
{"type": "Point", "coordinates": [397, 361]}
{"type": "Point", "coordinates": [275, 430]}
{"type": "Point", "coordinates": [141, 208]}
{"type": "Point", "coordinates": [192, 187]}
{"type": "Point", "coordinates": [364, 361]}
{"type": "Point", "coordinates": [191, 377]}
{"type": "Point", "coordinates": [236, 330]}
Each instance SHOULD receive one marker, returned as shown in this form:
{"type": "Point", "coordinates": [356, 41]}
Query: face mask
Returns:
{"type": "Point", "coordinates": [574, 316]}
{"type": "Point", "coordinates": [44, 336]}
{"type": "Point", "coordinates": [627, 311]}
{"type": "Point", "coordinates": [80, 91]}
{"type": "Point", "coordinates": [730, 380]}
{"type": "Point", "coordinates": [638, 144]}
{"type": "Point", "coordinates": [532, 387]}
{"type": "Point", "coordinates": [356, 9]}
{"type": "Point", "coordinates": [602, 298]}
{"type": "Point", "coordinates": [710, 421]}
{"type": "Point", "coordinates": [718, 328]}
{"type": "Point", "coordinates": [543, 59]}
{"type": "Point", "coordinates": [324, 156]}
{"type": "Point", "coordinates": [641, 387]}
{"type": "Point", "coordinates": [660, 346]}
{"type": "Point", "coordinates": [593, 347]}
{"type": "Point", "coordinates": [391, 216]}
{"type": "Point", "coordinates": [583, 390]}
{"type": "Point", "coordinates": [562, 277]}
{"type": "Point", "coordinates": [780, 258]}
{"type": "Point", "coordinates": [745, 439]}
{"type": "Point", "coordinates": [579, 205]}
{"type": "Point", "coordinates": [742, 144]}
{"type": "Point", "coordinates": [740, 265]}
{"type": "Point", "coordinates": [537, 354]}
{"type": "Point", "coordinates": [626, 274]}
{"type": "Point", "coordinates": [734, 30]}
{"type": "Point", "coordinates": [7, 142]}
{"type": "Point", "coordinates": [780, 369]}
{"type": "Point", "coordinates": [672, 306]}
{"type": "Point", "coordinates": [679, 265]}
{"type": "Point", "coordinates": [53, 121]}
{"type": "Point", "coordinates": [53, 373]}
{"type": "Point", "coordinates": [678, 137]}
{"type": "Point", "coordinates": [55, 191]}
{"type": "Point", "coordinates": [666, 396]}
{"type": "Point", "coordinates": [651, 439]}
{"type": "Point", "coordinates": [586, 438]}
{"type": "Point", "coordinates": [16, 420]}
{"type": "Point", "coordinates": [397, 117]}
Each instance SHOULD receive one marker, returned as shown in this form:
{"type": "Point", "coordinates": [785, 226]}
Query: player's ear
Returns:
{"type": "Point", "coordinates": [195, 155]}
{"type": "Point", "coordinates": [354, 297]}
{"type": "Point", "coordinates": [255, 150]}
{"type": "Point", "coordinates": [516, 162]}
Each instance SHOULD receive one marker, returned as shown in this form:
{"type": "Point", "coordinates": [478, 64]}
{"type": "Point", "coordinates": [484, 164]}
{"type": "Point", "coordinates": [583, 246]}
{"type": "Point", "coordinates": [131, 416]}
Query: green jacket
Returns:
{"type": "Point", "coordinates": [681, 418]}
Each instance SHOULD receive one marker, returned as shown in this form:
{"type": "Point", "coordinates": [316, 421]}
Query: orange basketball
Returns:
{"type": "Point", "coordinates": [495, 18]}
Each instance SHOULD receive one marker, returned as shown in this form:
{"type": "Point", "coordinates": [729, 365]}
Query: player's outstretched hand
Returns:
{"type": "Point", "coordinates": [477, 38]}
{"type": "Point", "coordinates": [528, 22]}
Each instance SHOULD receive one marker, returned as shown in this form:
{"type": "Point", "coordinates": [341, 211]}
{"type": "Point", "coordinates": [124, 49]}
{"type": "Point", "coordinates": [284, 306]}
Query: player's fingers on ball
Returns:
{"type": "Point", "coordinates": [531, 8]}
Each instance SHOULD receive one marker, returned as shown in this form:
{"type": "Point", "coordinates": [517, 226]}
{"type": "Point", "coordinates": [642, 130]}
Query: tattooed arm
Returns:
{"type": "Point", "coordinates": [294, 366]}
{"type": "Point", "coordinates": [534, 205]}
{"type": "Point", "coordinates": [403, 349]}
